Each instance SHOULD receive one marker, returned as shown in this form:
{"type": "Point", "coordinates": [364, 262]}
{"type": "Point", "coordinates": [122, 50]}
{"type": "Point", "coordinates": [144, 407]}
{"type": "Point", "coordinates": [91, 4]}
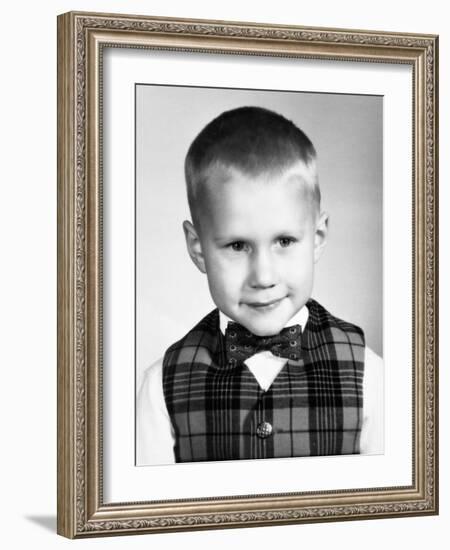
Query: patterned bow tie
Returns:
{"type": "Point", "coordinates": [242, 344]}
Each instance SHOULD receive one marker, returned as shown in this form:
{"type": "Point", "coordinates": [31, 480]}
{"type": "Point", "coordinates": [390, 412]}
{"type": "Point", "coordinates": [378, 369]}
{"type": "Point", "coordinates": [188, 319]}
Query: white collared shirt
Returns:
{"type": "Point", "coordinates": [155, 438]}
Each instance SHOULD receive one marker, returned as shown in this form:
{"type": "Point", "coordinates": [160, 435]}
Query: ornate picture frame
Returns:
{"type": "Point", "coordinates": [83, 511]}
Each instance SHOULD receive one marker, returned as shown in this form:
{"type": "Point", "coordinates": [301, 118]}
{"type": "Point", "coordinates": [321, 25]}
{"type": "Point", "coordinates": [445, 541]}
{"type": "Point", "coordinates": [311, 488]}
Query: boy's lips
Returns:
{"type": "Point", "coordinates": [270, 304]}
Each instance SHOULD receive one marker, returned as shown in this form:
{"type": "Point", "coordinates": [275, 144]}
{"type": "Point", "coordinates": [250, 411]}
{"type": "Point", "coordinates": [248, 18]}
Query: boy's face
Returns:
{"type": "Point", "coordinates": [258, 241]}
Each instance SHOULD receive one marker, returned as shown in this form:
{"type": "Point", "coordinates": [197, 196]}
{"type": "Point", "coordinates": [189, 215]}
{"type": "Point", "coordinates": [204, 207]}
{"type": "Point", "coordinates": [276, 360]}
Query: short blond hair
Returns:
{"type": "Point", "coordinates": [252, 140]}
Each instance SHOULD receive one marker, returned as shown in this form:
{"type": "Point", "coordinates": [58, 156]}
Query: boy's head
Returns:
{"type": "Point", "coordinates": [252, 141]}
{"type": "Point", "coordinates": [255, 204]}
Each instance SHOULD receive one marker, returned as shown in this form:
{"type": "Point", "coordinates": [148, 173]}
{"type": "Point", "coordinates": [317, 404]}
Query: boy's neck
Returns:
{"type": "Point", "coordinates": [300, 318]}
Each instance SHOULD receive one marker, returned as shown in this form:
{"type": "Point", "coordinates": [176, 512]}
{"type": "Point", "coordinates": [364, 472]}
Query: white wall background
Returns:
{"type": "Point", "coordinates": [28, 272]}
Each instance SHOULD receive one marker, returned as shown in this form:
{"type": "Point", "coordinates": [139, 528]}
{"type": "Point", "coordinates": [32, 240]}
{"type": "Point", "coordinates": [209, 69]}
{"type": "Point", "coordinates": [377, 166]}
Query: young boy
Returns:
{"type": "Point", "coordinates": [270, 372]}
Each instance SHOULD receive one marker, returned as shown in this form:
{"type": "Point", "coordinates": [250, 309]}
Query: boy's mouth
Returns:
{"type": "Point", "coordinates": [265, 306]}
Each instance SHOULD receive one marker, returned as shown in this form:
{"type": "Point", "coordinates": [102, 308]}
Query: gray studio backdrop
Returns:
{"type": "Point", "coordinates": [171, 294]}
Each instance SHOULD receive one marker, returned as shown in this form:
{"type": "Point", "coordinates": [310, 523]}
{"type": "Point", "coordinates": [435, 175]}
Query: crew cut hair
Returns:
{"type": "Point", "coordinates": [252, 140]}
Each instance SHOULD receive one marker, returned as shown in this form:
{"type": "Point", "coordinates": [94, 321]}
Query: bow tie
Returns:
{"type": "Point", "coordinates": [241, 344]}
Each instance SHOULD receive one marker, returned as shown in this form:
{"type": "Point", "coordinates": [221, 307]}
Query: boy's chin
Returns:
{"type": "Point", "coordinates": [266, 328]}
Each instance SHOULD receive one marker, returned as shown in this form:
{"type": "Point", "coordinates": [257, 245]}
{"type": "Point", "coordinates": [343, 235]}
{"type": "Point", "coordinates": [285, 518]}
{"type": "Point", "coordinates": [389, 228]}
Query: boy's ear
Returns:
{"type": "Point", "coordinates": [321, 235]}
{"type": "Point", "coordinates": [194, 246]}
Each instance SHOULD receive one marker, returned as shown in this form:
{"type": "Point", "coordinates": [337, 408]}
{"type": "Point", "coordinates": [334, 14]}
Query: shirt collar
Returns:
{"type": "Point", "coordinates": [300, 318]}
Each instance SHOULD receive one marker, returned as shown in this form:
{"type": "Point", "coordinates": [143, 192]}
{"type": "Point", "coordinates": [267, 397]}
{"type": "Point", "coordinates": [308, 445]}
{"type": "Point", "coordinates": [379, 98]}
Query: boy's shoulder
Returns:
{"type": "Point", "coordinates": [320, 319]}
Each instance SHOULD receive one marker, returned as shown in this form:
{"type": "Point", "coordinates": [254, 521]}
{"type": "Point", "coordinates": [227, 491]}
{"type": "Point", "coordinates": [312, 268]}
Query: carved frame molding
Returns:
{"type": "Point", "coordinates": [81, 37]}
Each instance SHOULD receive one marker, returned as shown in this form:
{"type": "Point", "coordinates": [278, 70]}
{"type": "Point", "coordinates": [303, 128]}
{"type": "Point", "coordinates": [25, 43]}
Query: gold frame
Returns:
{"type": "Point", "coordinates": [81, 37]}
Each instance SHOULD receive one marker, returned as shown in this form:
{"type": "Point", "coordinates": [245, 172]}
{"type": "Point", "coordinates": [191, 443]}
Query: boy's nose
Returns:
{"type": "Point", "coordinates": [263, 270]}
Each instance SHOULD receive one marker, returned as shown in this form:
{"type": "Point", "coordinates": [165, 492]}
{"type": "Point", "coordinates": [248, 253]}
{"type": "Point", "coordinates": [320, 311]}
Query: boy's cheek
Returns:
{"type": "Point", "coordinates": [227, 285]}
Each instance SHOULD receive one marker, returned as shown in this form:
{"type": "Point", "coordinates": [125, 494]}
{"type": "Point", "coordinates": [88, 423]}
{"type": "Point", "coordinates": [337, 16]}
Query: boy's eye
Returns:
{"type": "Point", "coordinates": [285, 241]}
{"type": "Point", "coordinates": [237, 246]}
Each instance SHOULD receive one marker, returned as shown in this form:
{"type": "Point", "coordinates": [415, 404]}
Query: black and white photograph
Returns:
{"type": "Point", "coordinates": [259, 274]}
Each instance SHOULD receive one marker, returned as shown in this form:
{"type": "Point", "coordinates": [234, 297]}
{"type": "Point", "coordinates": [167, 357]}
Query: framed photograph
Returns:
{"type": "Point", "coordinates": [247, 274]}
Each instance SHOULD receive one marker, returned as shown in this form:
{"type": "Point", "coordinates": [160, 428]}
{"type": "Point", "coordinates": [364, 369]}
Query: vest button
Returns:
{"type": "Point", "coordinates": [264, 430]}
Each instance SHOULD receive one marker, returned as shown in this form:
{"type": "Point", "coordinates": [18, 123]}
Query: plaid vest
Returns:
{"type": "Point", "coordinates": [313, 407]}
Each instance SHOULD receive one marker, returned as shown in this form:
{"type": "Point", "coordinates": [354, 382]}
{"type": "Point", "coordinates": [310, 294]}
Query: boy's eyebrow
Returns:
{"type": "Point", "coordinates": [228, 238]}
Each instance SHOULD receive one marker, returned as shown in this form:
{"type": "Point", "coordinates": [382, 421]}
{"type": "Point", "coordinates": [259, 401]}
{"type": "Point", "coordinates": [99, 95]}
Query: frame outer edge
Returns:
{"type": "Point", "coordinates": [435, 214]}
{"type": "Point", "coordinates": [130, 19]}
{"type": "Point", "coordinates": [66, 522]}
{"type": "Point", "coordinates": [436, 244]}
{"type": "Point", "coordinates": [79, 494]}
